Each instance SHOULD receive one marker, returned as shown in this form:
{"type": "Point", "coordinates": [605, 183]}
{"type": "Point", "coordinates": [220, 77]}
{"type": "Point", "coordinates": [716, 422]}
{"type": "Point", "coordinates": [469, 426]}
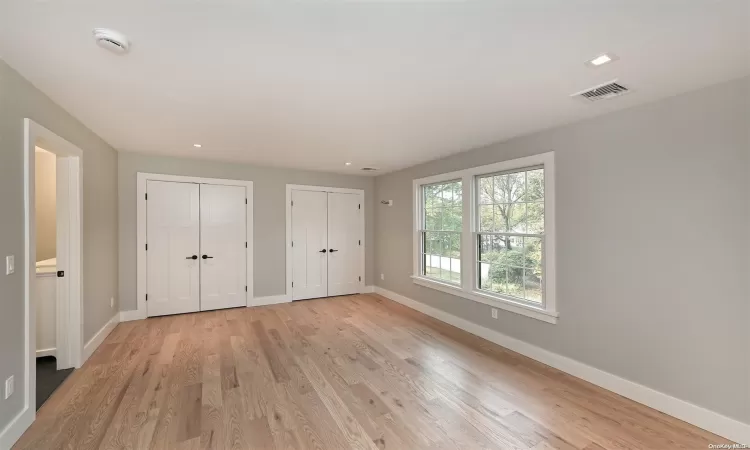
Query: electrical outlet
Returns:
{"type": "Point", "coordinates": [111, 302]}
{"type": "Point", "coordinates": [494, 313]}
{"type": "Point", "coordinates": [382, 276]}
{"type": "Point", "coordinates": [10, 264]}
{"type": "Point", "coordinates": [9, 387]}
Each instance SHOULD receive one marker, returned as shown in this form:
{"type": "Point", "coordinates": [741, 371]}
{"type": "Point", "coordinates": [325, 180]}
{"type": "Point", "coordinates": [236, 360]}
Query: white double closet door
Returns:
{"type": "Point", "coordinates": [196, 247]}
{"type": "Point", "coordinates": [326, 244]}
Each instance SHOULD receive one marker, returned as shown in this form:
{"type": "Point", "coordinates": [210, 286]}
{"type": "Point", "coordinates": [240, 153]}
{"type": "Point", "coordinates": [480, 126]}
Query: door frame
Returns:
{"type": "Point", "coordinates": [142, 268]}
{"type": "Point", "coordinates": [69, 340]}
{"type": "Point", "coordinates": [289, 264]}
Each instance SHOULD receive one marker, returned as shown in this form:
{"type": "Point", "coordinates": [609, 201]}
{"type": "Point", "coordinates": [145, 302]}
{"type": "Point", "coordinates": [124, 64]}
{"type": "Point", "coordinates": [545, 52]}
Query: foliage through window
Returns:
{"type": "Point", "coordinates": [510, 235]}
{"type": "Point", "coordinates": [440, 231]}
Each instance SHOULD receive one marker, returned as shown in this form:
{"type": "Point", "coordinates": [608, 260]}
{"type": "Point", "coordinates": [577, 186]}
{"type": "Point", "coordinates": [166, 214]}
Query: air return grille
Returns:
{"type": "Point", "coordinates": [603, 91]}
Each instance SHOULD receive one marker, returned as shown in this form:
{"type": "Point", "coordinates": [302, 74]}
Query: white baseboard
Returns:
{"type": "Point", "coordinates": [99, 337]}
{"type": "Point", "coordinates": [368, 289]}
{"type": "Point", "coordinates": [11, 433]}
{"type": "Point", "coordinates": [46, 352]}
{"type": "Point", "coordinates": [269, 300]}
{"type": "Point", "coordinates": [701, 417]}
{"type": "Point", "coordinates": [128, 316]}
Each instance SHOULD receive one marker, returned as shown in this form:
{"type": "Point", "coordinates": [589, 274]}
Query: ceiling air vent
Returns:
{"type": "Point", "coordinates": [602, 91]}
{"type": "Point", "coordinates": [112, 40]}
{"type": "Point", "coordinates": [369, 169]}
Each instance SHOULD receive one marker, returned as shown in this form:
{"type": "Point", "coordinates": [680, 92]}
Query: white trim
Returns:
{"type": "Point", "coordinates": [99, 337]}
{"type": "Point", "coordinates": [701, 417]}
{"type": "Point", "coordinates": [46, 352]}
{"type": "Point", "coordinates": [368, 289]}
{"type": "Point", "coordinates": [270, 300]}
{"type": "Point", "coordinates": [548, 311]}
{"type": "Point", "coordinates": [130, 315]}
{"type": "Point", "coordinates": [507, 305]}
{"type": "Point", "coordinates": [142, 275]}
{"type": "Point", "coordinates": [15, 429]}
{"type": "Point", "coordinates": [299, 187]}
{"type": "Point", "coordinates": [71, 305]}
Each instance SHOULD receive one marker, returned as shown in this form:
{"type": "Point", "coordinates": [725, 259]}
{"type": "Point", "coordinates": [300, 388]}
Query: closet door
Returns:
{"type": "Point", "coordinates": [172, 233]}
{"type": "Point", "coordinates": [344, 239]}
{"type": "Point", "coordinates": [309, 244]}
{"type": "Point", "coordinates": [223, 241]}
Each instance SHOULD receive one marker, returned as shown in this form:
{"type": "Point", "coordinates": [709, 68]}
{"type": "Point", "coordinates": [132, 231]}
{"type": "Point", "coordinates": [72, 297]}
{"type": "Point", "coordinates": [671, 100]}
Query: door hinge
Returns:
{"type": "Point", "coordinates": [360, 242]}
{"type": "Point", "coordinates": [146, 247]}
{"type": "Point", "coordinates": [146, 297]}
{"type": "Point", "coordinates": [292, 283]}
{"type": "Point", "coordinates": [245, 244]}
{"type": "Point", "coordinates": [246, 201]}
{"type": "Point", "coordinates": [292, 202]}
{"type": "Point", "coordinates": [245, 288]}
{"type": "Point", "coordinates": [359, 206]}
{"type": "Point", "coordinates": [292, 243]}
{"type": "Point", "coordinates": [360, 278]}
{"type": "Point", "coordinates": [146, 196]}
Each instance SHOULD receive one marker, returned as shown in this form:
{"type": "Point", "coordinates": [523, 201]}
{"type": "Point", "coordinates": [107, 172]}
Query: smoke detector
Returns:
{"type": "Point", "coordinates": [112, 40]}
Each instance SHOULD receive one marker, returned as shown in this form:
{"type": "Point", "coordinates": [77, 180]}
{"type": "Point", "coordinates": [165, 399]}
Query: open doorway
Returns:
{"type": "Point", "coordinates": [50, 371]}
{"type": "Point", "coordinates": [53, 250]}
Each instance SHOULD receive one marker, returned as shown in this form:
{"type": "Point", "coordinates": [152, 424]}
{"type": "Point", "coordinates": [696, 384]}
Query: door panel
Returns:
{"type": "Point", "coordinates": [223, 236]}
{"type": "Point", "coordinates": [309, 237]}
{"type": "Point", "coordinates": [172, 233]}
{"type": "Point", "coordinates": [344, 216]}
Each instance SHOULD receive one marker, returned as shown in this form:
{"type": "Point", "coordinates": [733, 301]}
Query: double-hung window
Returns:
{"type": "Point", "coordinates": [487, 234]}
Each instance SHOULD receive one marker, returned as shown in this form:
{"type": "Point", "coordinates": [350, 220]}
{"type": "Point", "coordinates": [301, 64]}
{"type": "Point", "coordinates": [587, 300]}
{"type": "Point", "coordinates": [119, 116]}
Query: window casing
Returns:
{"type": "Point", "coordinates": [500, 249]}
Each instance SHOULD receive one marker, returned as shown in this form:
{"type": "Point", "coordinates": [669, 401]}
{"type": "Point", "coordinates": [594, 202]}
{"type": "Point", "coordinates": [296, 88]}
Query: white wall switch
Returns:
{"type": "Point", "coordinates": [494, 313]}
{"type": "Point", "coordinates": [382, 276]}
{"type": "Point", "coordinates": [9, 386]}
{"type": "Point", "coordinates": [10, 264]}
{"type": "Point", "coordinates": [111, 302]}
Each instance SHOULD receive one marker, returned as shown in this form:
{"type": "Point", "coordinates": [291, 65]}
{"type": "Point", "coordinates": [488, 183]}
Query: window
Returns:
{"type": "Point", "coordinates": [498, 247]}
{"type": "Point", "coordinates": [442, 221]}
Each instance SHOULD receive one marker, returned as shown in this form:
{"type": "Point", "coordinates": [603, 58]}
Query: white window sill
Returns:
{"type": "Point", "coordinates": [507, 305]}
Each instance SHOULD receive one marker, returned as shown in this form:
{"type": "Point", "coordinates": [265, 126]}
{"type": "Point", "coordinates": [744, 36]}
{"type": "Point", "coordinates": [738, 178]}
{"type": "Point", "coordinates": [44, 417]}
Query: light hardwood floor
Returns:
{"type": "Point", "coordinates": [358, 372]}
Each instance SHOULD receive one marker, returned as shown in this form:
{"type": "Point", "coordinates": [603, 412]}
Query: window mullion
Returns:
{"type": "Point", "coordinates": [468, 247]}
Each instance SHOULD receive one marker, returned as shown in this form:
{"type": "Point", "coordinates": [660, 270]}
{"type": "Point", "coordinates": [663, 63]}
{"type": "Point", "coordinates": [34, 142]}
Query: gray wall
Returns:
{"type": "Point", "coordinates": [269, 185]}
{"type": "Point", "coordinates": [18, 100]}
{"type": "Point", "coordinates": [652, 259]}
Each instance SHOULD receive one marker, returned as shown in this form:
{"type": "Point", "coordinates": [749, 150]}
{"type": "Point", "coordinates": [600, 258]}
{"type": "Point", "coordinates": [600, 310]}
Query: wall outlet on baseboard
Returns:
{"type": "Point", "coordinates": [382, 276]}
{"type": "Point", "coordinates": [494, 313]}
{"type": "Point", "coordinates": [9, 387]}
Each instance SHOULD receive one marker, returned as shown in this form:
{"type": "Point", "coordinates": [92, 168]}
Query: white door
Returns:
{"type": "Point", "coordinates": [344, 240]}
{"type": "Point", "coordinates": [309, 244]}
{"type": "Point", "coordinates": [172, 236]}
{"type": "Point", "coordinates": [223, 246]}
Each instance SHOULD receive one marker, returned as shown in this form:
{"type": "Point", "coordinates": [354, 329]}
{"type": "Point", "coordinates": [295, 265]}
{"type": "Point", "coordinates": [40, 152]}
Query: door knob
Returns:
{"type": "Point", "coordinates": [332, 250]}
{"type": "Point", "coordinates": [192, 257]}
{"type": "Point", "coordinates": [207, 257]}
{"type": "Point", "coordinates": [322, 251]}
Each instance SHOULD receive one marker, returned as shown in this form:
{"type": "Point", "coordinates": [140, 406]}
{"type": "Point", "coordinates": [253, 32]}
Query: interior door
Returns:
{"type": "Point", "coordinates": [223, 238]}
{"type": "Point", "coordinates": [344, 240]}
{"type": "Point", "coordinates": [309, 244]}
{"type": "Point", "coordinates": [172, 234]}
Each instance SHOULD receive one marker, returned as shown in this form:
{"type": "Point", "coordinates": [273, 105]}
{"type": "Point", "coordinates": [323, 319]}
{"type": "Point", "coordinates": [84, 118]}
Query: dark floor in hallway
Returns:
{"type": "Point", "coordinates": [48, 378]}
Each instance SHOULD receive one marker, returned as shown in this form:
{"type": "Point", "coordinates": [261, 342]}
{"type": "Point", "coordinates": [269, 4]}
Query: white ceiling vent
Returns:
{"type": "Point", "coordinates": [369, 169]}
{"type": "Point", "coordinates": [603, 91]}
{"type": "Point", "coordinates": [112, 40]}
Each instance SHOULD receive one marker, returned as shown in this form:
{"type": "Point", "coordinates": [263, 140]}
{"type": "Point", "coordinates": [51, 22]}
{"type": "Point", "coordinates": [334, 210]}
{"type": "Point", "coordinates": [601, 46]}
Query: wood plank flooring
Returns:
{"type": "Point", "coordinates": [357, 372]}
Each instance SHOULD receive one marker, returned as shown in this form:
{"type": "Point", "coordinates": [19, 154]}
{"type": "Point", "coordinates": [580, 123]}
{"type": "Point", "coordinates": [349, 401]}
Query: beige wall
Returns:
{"type": "Point", "coordinates": [269, 185]}
{"type": "Point", "coordinates": [46, 204]}
{"type": "Point", "coordinates": [653, 207]}
{"type": "Point", "coordinates": [19, 99]}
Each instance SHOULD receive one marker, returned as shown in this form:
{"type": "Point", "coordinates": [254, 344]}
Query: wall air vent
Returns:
{"type": "Point", "coordinates": [369, 169]}
{"type": "Point", "coordinates": [603, 91]}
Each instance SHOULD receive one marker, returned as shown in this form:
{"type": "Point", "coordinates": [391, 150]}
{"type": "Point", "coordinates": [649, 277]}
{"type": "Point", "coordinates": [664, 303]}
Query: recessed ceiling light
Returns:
{"type": "Point", "coordinates": [602, 59]}
{"type": "Point", "coordinates": [348, 164]}
{"type": "Point", "coordinates": [197, 145]}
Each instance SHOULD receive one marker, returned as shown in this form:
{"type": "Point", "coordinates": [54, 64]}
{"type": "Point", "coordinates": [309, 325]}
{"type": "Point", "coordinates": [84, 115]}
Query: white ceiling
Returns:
{"type": "Point", "coordinates": [312, 84]}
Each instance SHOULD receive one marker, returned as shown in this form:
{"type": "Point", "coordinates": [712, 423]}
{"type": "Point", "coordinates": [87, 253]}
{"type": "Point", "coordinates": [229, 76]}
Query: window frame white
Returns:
{"type": "Point", "coordinates": [468, 288]}
{"type": "Point", "coordinates": [421, 219]}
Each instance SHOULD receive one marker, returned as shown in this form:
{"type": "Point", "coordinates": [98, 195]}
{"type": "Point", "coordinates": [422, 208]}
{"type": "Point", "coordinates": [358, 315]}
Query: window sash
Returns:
{"type": "Point", "coordinates": [424, 254]}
